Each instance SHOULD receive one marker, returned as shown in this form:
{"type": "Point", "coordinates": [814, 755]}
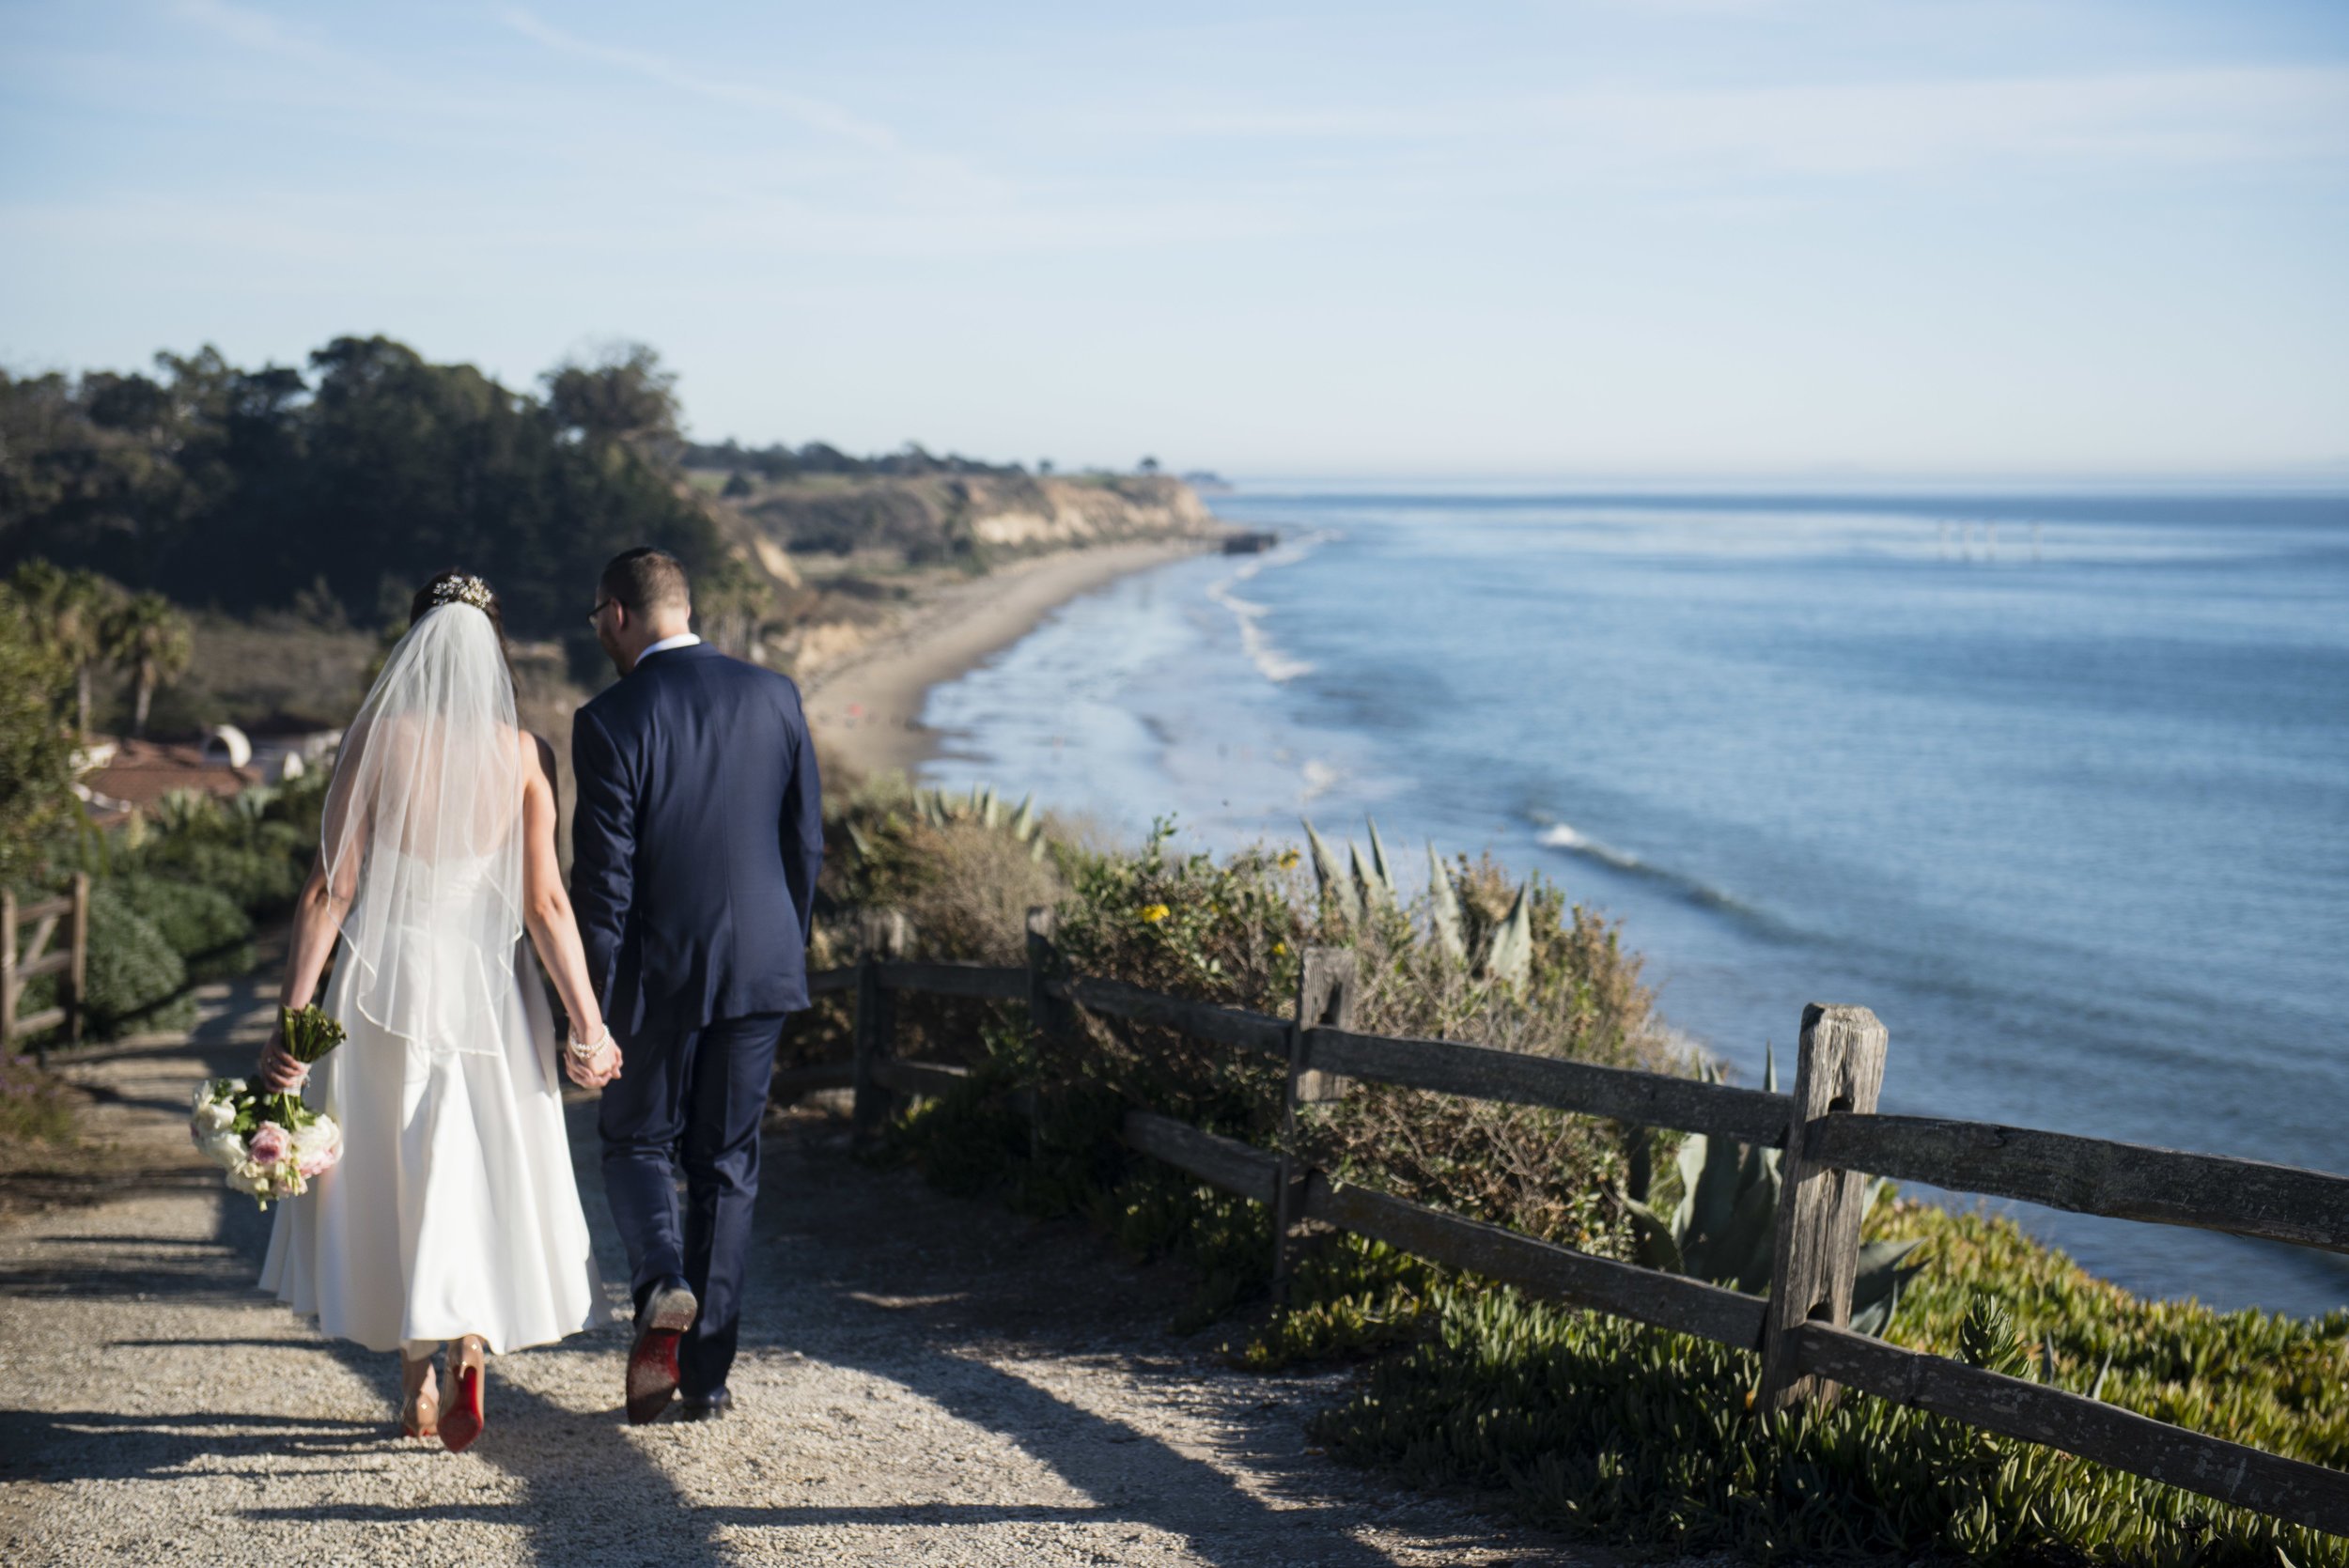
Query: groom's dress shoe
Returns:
{"type": "Point", "coordinates": [714, 1405]}
{"type": "Point", "coordinates": [668, 1312]}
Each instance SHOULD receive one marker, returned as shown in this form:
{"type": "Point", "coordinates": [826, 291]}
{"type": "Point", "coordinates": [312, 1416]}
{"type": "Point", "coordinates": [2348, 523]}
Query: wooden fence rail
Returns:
{"type": "Point", "coordinates": [70, 962]}
{"type": "Point", "coordinates": [1827, 1127]}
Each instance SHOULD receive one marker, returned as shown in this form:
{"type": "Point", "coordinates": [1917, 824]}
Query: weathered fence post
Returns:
{"type": "Point", "coordinates": [1048, 1015]}
{"type": "Point", "coordinates": [1050, 1018]}
{"type": "Point", "coordinates": [78, 970]}
{"type": "Point", "coordinates": [1325, 997]}
{"type": "Point", "coordinates": [883, 937]}
{"type": "Point", "coordinates": [1841, 1068]}
{"type": "Point", "coordinates": [7, 972]}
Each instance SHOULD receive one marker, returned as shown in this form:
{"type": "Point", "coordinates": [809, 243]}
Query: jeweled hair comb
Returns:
{"type": "Point", "coordinates": [464, 590]}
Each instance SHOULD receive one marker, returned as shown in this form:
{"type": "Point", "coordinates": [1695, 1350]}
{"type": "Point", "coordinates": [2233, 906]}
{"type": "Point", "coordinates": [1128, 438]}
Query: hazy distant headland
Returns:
{"type": "Point", "coordinates": [855, 537]}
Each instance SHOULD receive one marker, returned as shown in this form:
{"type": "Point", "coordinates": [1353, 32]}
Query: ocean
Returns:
{"type": "Point", "coordinates": [2057, 785]}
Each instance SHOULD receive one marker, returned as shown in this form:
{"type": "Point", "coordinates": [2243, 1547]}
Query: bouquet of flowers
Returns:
{"type": "Point", "coordinates": [269, 1144]}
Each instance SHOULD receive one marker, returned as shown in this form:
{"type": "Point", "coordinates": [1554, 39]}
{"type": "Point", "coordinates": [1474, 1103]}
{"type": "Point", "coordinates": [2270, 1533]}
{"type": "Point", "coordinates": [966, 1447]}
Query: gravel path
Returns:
{"type": "Point", "coordinates": [922, 1381]}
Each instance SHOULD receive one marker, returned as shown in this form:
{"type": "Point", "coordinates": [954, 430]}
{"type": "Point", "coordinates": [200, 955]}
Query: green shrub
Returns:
{"type": "Point", "coordinates": [963, 884]}
{"type": "Point", "coordinates": [204, 926]}
{"type": "Point", "coordinates": [1233, 932]}
{"type": "Point", "coordinates": [135, 977]}
{"type": "Point", "coordinates": [261, 878]}
{"type": "Point", "coordinates": [256, 847]}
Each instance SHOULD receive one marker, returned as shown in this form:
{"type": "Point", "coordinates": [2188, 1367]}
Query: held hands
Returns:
{"type": "Point", "coordinates": [591, 1065]}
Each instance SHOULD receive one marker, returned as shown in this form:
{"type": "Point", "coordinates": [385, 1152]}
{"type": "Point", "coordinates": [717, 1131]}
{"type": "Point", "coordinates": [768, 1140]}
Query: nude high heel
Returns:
{"type": "Point", "coordinates": [465, 1417]}
{"type": "Point", "coordinates": [419, 1398]}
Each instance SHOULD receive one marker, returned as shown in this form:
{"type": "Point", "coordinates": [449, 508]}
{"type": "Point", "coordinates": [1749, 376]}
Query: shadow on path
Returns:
{"type": "Point", "coordinates": [967, 1309]}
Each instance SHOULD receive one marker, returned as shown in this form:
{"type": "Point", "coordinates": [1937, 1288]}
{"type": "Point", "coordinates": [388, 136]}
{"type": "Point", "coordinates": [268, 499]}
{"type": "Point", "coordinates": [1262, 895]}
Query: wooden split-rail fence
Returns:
{"type": "Point", "coordinates": [44, 953]}
{"type": "Point", "coordinates": [1832, 1138]}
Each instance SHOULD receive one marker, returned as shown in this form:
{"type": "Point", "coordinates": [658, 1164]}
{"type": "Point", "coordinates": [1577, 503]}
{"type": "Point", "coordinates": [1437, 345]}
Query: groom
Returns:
{"type": "Point", "coordinates": [695, 845]}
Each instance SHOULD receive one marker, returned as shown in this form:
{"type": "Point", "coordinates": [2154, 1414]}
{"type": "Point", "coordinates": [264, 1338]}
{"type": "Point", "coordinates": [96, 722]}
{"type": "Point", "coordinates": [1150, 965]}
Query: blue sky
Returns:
{"type": "Point", "coordinates": [1702, 240]}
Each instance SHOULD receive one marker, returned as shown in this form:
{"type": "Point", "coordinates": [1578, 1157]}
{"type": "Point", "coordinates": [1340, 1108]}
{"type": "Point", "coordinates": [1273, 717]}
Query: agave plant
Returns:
{"type": "Point", "coordinates": [1337, 888]}
{"type": "Point", "coordinates": [1726, 1226]}
{"type": "Point", "coordinates": [186, 811]}
{"type": "Point", "coordinates": [1503, 950]}
{"type": "Point", "coordinates": [983, 806]}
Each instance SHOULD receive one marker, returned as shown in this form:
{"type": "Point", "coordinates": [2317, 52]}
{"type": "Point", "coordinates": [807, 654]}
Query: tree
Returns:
{"type": "Point", "coordinates": [1044, 468]}
{"type": "Point", "coordinates": [150, 639]}
{"type": "Point", "coordinates": [1147, 465]}
{"type": "Point", "coordinates": [69, 610]}
{"type": "Point", "coordinates": [35, 750]}
{"type": "Point", "coordinates": [737, 486]}
{"type": "Point", "coordinates": [355, 479]}
{"type": "Point", "coordinates": [732, 602]}
{"type": "Point", "coordinates": [622, 393]}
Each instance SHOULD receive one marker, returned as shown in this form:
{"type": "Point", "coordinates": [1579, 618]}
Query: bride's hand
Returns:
{"type": "Point", "coordinates": [598, 1068]}
{"type": "Point", "coordinates": [280, 1073]}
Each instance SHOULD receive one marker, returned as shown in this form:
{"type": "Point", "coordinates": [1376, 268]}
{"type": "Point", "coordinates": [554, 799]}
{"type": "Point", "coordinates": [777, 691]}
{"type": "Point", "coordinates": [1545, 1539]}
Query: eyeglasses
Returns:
{"type": "Point", "coordinates": [602, 605]}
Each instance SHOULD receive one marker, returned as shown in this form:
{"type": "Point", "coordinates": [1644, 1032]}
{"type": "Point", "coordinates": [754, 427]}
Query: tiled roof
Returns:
{"type": "Point", "coordinates": [143, 773]}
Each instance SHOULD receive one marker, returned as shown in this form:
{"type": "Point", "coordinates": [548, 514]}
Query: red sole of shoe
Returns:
{"type": "Point", "coordinates": [652, 1375]}
{"type": "Point", "coordinates": [462, 1425]}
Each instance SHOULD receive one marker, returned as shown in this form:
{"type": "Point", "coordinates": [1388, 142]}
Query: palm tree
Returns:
{"type": "Point", "coordinates": [70, 610]}
{"type": "Point", "coordinates": [150, 639]}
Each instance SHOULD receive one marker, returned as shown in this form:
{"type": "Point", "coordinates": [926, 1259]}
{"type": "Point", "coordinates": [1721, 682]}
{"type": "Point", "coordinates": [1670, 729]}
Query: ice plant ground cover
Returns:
{"type": "Point", "coordinates": [271, 1146]}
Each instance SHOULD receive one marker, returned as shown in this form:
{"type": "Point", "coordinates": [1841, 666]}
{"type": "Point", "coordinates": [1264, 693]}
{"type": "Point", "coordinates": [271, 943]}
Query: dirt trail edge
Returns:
{"type": "Point", "coordinates": [922, 1381]}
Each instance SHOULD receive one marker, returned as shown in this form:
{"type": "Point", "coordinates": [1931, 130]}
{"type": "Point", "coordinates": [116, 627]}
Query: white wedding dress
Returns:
{"type": "Point", "coordinates": [454, 1210]}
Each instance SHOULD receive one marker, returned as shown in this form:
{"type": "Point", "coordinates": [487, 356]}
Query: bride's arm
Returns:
{"type": "Point", "coordinates": [317, 917]}
{"type": "Point", "coordinates": [547, 911]}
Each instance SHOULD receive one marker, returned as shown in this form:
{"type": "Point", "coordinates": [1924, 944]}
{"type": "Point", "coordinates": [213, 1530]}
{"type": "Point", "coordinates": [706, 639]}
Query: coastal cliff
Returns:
{"type": "Point", "coordinates": [851, 555]}
{"type": "Point", "coordinates": [941, 518]}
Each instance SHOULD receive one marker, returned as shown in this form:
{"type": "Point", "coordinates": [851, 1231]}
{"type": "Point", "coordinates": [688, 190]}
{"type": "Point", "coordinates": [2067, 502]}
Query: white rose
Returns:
{"type": "Point", "coordinates": [213, 1116]}
{"type": "Point", "coordinates": [223, 1148]}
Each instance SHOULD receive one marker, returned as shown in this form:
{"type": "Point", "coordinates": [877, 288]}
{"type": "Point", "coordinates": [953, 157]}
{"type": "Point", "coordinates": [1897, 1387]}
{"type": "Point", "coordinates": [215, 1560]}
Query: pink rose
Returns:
{"type": "Point", "coordinates": [318, 1147]}
{"type": "Point", "coordinates": [269, 1144]}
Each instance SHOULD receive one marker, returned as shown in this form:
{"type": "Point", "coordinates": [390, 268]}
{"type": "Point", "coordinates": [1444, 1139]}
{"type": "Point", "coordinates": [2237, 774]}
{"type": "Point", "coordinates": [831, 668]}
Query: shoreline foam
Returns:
{"type": "Point", "coordinates": [865, 707]}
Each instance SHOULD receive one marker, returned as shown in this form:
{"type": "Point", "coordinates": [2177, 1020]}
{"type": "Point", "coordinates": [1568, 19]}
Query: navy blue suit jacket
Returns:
{"type": "Point", "coordinates": [696, 840]}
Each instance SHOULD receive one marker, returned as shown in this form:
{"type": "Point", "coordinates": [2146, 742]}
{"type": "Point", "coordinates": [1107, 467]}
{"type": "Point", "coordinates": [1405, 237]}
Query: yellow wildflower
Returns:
{"type": "Point", "coordinates": [1280, 950]}
{"type": "Point", "coordinates": [1288, 859]}
{"type": "Point", "coordinates": [1155, 912]}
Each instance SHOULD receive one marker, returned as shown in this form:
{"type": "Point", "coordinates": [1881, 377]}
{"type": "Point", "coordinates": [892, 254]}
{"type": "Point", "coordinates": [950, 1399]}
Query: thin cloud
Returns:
{"type": "Point", "coordinates": [2202, 117]}
{"type": "Point", "coordinates": [250, 29]}
{"type": "Point", "coordinates": [814, 112]}
{"type": "Point", "coordinates": [2221, 116]}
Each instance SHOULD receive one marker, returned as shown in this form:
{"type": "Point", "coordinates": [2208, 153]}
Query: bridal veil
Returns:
{"type": "Point", "coordinates": [423, 822]}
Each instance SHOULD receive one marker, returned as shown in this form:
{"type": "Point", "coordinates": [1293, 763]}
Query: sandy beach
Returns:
{"type": "Point", "coordinates": [865, 707]}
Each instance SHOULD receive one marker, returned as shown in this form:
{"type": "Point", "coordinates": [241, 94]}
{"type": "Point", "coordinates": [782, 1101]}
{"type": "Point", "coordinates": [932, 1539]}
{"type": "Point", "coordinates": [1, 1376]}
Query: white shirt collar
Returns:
{"type": "Point", "coordinates": [682, 640]}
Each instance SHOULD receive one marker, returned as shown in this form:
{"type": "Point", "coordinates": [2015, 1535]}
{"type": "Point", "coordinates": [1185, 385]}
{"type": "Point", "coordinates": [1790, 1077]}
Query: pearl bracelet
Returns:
{"type": "Point", "coordinates": [584, 1050]}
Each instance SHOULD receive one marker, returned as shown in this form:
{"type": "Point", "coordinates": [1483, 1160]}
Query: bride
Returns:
{"type": "Point", "coordinates": [453, 1217]}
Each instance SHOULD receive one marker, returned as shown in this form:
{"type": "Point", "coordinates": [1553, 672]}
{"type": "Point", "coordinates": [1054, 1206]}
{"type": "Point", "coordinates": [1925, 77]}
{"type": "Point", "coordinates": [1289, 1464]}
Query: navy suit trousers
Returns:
{"type": "Point", "coordinates": [693, 1100]}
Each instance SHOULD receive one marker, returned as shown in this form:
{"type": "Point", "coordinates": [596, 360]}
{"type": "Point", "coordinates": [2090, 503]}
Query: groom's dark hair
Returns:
{"type": "Point", "coordinates": [646, 579]}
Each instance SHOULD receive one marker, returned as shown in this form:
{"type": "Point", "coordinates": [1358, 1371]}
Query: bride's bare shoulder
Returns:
{"type": "Point", "coordinates": [537, 756]}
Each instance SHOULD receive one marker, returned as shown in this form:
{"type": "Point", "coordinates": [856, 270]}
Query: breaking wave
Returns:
{"type": "Point", "coordinates": [1561, 835]}
{"type": "Point", "coordinates": [1271, 662]}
